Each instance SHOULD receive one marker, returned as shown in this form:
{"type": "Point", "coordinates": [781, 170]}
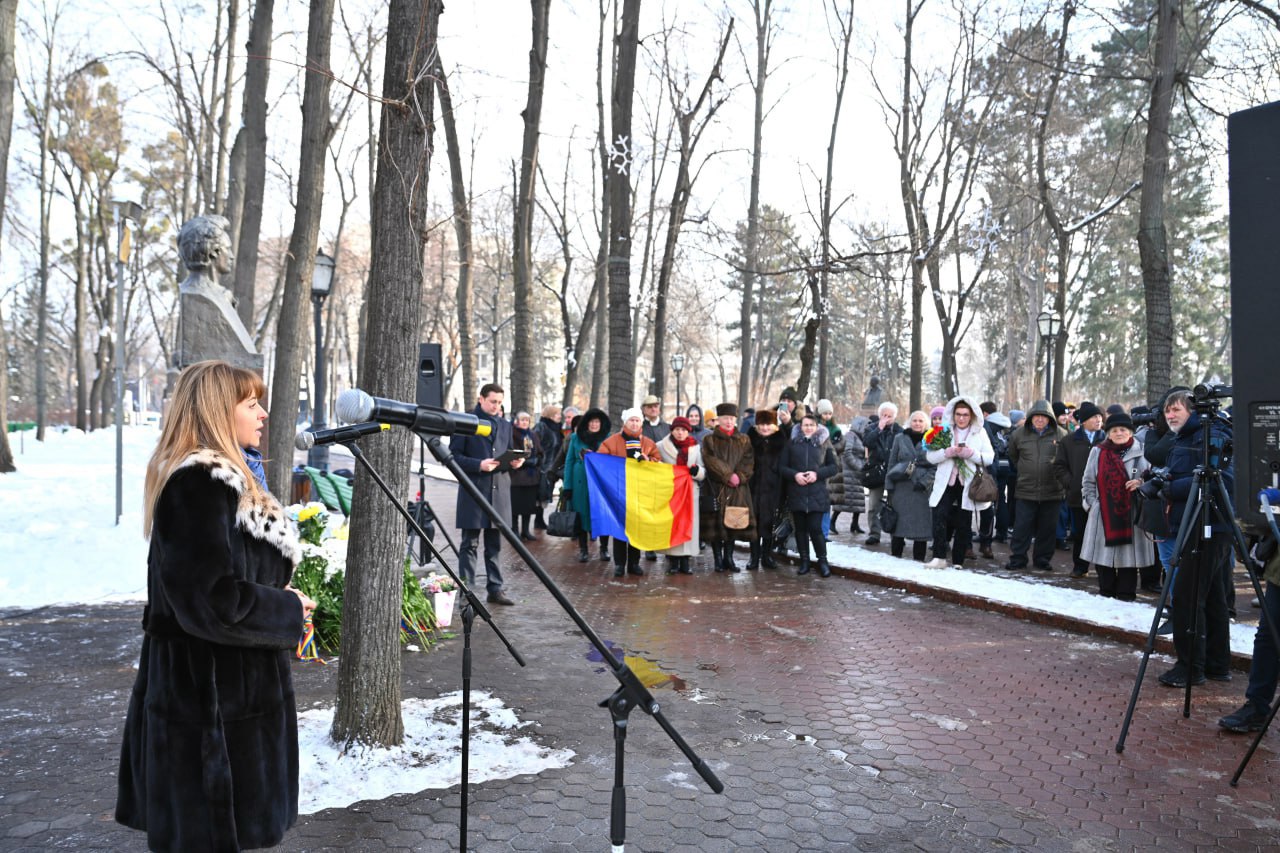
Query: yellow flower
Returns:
{"type": "Point", "coordinates": [308, 512]}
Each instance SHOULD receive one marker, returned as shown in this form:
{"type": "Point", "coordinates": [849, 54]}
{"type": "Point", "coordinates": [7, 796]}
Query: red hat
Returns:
{"type": "Point", "coordinates": [681, 421]}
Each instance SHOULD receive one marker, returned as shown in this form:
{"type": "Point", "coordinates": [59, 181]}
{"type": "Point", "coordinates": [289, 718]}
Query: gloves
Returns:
{"type": "Point", "coordinates": [734, 480]}
{"type": "Point", "coordinates": [964, 452]}
{"type": "Point", "coordinates": [950, 452]}
{"type": "Point", "coordinates": [637, 455]}
{"type": "Point", "coordinates": [693, 470]}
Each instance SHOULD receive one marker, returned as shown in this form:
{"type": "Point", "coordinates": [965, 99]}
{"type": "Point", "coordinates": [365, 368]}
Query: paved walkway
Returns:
{"type": "Point", "coordinates": [839, 714]}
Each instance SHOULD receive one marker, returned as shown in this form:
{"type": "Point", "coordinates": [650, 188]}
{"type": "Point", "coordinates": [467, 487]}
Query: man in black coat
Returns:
{"type": "Point", "coordinates": [477, 455]}
{"type": "Point", "coordinates": [878, 440]}
{"type": "Point", "coordinates": [1069, 465]}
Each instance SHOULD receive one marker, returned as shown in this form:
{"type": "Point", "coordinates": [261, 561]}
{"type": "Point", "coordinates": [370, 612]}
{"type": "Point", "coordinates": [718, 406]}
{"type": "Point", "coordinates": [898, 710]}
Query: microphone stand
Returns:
{"type": "Point", "coordinates": [631, 693]}
{"type": "Point", "coordinates": [471, 606]}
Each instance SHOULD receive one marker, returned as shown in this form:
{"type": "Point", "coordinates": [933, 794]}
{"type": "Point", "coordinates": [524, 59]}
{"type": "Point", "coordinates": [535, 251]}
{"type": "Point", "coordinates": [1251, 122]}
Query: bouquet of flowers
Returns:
{"type": "Point", "coordinates": [434, 583]}
{"type": "Point", "coordinates": [937, 438]}
{"type": "Point", "coordinates": [312, 520]}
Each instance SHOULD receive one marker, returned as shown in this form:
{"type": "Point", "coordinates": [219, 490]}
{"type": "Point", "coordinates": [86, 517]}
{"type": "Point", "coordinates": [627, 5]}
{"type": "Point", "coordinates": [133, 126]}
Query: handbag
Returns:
{"type": "Point", "coordinates": [737, 517]}
{"type": "Point", "coordinates": [1150, 515]}
{"type": "Point", "coordinates": [888, 516]}
{"type": "Point", "coordinates": [563, 523]}
{"type": "Point", "coordinates": [982, 488]}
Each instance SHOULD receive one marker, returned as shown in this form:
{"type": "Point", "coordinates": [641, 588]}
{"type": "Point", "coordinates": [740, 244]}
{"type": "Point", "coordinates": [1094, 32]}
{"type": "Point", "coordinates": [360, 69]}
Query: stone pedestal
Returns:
{"type": "Point", "coordinates": [209, 327]}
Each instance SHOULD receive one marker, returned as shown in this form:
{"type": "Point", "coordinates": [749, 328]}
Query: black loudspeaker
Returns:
{"type": "Point", "coordinates": [1253, 138]}
{"type": "Point", "coordinates": [430, 376]}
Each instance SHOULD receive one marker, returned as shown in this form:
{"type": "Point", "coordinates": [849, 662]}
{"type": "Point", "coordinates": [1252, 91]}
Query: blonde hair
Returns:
{"type": "Point", "coordinates": [201, 416]}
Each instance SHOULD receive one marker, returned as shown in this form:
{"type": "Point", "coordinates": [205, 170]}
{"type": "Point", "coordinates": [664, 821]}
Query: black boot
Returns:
{"type": "Point", "coordinates": [823, 569]}
{"type": "Point", "coordinates": [804, 565]}
{"type": "Point", "coordinates": [855, 527]}
{"type": "Point", "coordinates": [766, 554]}
{"type": "Point", "coordinates": [729, 564]}
{"type": "Point", "coordinates": [897, 545]}
{"type": "Point", "coordinates": [919, 550]}
{"type": "Point", "coordinates": [686, 565]}
{"type": "Point", "coordinates": [717, 556]}
{"type": "Point", "coordinates": [604, 550]}
{"type": "Point", "coordinates": [539, 523]}
{"type": "Point", "coordinates": [754, 562]}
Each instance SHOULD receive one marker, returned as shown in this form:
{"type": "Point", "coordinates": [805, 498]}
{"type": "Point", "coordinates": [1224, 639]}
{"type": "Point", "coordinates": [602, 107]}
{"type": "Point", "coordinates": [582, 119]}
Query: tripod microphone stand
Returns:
{"type": "Point", "coordinates": [631, 693]}
{"type": "Point", "coordinates": [424, 514]}
{"type": "Point", "coordinates": [471, 606]}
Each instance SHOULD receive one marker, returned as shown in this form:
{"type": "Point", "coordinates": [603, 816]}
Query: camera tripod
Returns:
{"type": "Point", "coordinates": [425, 519]}
{"type": "Point", "coordinates": [1207, 502]}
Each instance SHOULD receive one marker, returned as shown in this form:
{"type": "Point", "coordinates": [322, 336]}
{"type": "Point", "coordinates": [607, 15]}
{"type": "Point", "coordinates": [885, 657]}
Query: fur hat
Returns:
{"type": "Point", "coordinates": [681, 421]}
{"type": "Point", "coordinates": [1087, 410]}
{"type": "Point", "coordinates": [766, 416]}
{"type": "Point", "coordinates": [1119, 419]}
{"type": "Point", "coordinates": [628, 414]}
{"type": "Point", "coordinates": [730, 409]}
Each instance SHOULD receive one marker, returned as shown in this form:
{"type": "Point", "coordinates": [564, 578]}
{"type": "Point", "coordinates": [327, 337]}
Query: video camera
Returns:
{"type": "Point", "coordinates": [1207, 398]}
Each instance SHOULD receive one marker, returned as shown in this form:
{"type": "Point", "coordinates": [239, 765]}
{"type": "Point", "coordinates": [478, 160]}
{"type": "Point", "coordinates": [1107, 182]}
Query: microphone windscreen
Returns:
{"type": "Point", "coordinates": [354, 406]}
{"type": "Point", "coordinates": [304, 440]}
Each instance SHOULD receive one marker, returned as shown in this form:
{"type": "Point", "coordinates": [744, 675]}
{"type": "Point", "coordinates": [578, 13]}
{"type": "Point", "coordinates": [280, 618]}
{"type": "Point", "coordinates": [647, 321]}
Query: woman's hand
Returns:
{"type": "Point", "coordinates": [734, 480]}
{"type": "Point", "coordinates": [1133, 485]}
{"type": "Point", "coordinates": [802, 477]}
{"type": "Point", "coordinates": [307, 604]}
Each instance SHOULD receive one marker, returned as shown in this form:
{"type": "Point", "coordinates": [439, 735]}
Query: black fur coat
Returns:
{"type": "Point", "coordinates": [210, 754]}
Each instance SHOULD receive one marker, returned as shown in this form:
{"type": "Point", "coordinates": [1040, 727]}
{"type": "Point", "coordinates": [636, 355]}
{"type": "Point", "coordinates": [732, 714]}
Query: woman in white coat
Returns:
{"type": "Point", "coordinates": [953, 509]}
{"type": "Point", "coordinates": [1115, 546]}
{"type": "Point", "coordinates": [681, 448]}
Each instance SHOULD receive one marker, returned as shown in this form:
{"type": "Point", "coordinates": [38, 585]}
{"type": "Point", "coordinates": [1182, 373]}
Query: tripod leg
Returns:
{"type": "Point", "coordinates": [619, 709]}
{"type": "Point", "coordinates": [1150, 647]}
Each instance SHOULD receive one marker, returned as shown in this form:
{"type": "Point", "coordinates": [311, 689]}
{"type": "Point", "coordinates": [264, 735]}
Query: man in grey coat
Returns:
{"type": "Point", "coordinates": [478, 456]}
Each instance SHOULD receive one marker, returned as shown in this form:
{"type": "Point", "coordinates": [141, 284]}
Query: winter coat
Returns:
{"type": "Point", "coordinates": [852, 461]}
{"type": "Point", "coordinates": [210, 754]}
{"type": "Point", "coordinates": [983, 454]}
{"type": "Point", "coordinates": [1093, 547]}
{"type": "Point", "coordinates": [1069, 461]}
{"type": "Point", "coordinates": [470, 451]}
{"type": "Point", "coordinates": [835, 485]}
{"type": "Point", "coordinates": [879, 444]}
{"type": "Point", "coordinates": [581, 443]}
{"type": "Point", "coordinates": [1032, 454]}
{"type": "Point", "coordinates": [808, 454]}
{"type": "Point", "coordinates": [668, 452]}
{"type": "Point", "coordinates": [725, 455]}
{"type": "Point", "coordinates": [910, 494]}
{"type": "Point", "coordinates": [1184, 457]}
{"type": "Point", "coordinates": [767, 485]}
{"type": "Point", "coordinates": [655, 432]}
{"type": "Point", "coordinates": [551, 445]}
{"type": "Point", "coordinates": [616, 445]}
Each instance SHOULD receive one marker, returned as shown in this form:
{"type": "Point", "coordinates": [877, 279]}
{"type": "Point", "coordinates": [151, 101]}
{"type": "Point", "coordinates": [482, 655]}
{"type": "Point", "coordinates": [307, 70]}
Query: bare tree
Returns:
{"type": "Point", "coordinates": [316, 132]}
{"type": "Point", "coordinates": [462, 230]}
{"type": "Point", "coordinates": [8, 74]}
{"type": "Point", "coordinates": [248, 165]}
{"type": "Point", "coordinates": [765, 33]}
{"type": "Point", "coordinates": [601, 280]}
{"type": "Point", "coordinates": [369, 688]}
{"type": "Point", "coordinates": [622, 155]}
{"type": "Point", "coordinates": [691, 126]}
{"type": "Point", "coordinates": [844, 23]}
{"type": "Point", "coordinates": [522, 359]}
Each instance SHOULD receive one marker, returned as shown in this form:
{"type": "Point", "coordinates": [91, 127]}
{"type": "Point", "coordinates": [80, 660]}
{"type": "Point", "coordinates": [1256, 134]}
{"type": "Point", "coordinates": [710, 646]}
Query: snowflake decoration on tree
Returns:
{"type": "Point", "coordinates": [620, 155]}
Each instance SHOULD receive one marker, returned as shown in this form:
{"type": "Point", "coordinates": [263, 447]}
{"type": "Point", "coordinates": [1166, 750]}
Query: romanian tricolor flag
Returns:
{"type": "Point", "coordinates": [649, 504]}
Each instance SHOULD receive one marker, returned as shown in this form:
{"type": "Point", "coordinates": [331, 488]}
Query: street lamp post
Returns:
{"type": "Point", "coordinates": [677, 365]}
{"type": "Point", "coordinates": [1050, 326]}
{"type": "Point", "coordinates": [125, 211]}
{"type": "Point", "coordinates": [321, 281]}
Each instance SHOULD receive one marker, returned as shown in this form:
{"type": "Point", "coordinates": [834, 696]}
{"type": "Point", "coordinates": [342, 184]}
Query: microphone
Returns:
{"type": "Point", "coordinates": [306, 440]}
{"type": "Point", "coordinates": [356, 405]}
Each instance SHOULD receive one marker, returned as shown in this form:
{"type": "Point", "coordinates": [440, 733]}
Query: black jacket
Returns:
{"type": "Point", "coordinates": [808, 454]}
{"type": "Point", "coordinates": [1186, 454]}
{"type": "Point", "coordinates": [210, 753]}
{"type": "Point", "coordinates": [1070, 461]}
{"type": "Point", "coordinates": [879, 444]}
{"type": "Point", "coordinates": [767, 485]}
{"type": "Point", "coordinates": [470, 451]}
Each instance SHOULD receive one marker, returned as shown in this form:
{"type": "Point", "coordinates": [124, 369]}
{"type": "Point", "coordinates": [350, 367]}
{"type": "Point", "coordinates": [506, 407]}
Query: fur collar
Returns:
{"type": "Point", "coordinates": [261, 517]}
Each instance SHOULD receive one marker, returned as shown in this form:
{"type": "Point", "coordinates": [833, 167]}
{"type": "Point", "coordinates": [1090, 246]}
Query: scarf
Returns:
{"type": "Point", "coordinates": [726, 432]}
{"type": "Point", "coordinates": [1115, 502]}
{"type": "Point", "coordinates": [253, 459]}
{"type": "Point", "coordinates": [635, 448]}
{"type": "Point", "coordinates": [682, 448]}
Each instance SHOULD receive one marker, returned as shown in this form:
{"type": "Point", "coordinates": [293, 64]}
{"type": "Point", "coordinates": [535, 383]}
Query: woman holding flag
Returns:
{"type": "Point", "coordinates": [630, 443]}
{"type": "Point", "coordinates": [681, 448]}
{"type": "Point", "coordinates": [588, 433]}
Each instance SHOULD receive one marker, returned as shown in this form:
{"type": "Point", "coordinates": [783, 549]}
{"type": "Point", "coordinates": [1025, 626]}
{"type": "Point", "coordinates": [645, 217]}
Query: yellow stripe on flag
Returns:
{"type": "Point", "coordinates": [649, 490]}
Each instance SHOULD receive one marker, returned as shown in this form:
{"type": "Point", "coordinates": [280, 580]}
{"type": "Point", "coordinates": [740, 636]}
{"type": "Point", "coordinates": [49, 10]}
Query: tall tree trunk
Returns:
{"type": "Point", "coordinates": [291, 331]}
{"type": "Point", "coordinates": [224, 115]}
{"type": "Point", "coordinates": [524, 390]}
{"type": "Point", "coordinates": [601, 282]}
{"type": "Point", "coordinates": [1153, 248]}
{"type": "Point", "coordinates": [369, 691]}
{"type": "Point", "coordinates": [905, 144]}
{"type": "Point", "coordinates": [621, 359]}
{"type": "Point", "coordinates": [462, 229]}
{"type": "Point", "coordinates": [763, 12]}
{"type": "Point", "coordinates": [8, 74]}
{"type": "Point", "coordinates": [82, 311]}
{"type": "Point", "coordinates": [46, 203]}
{"type": "Point", "coordinates": [248, 166]}
{"type": "Point", "coordinates": [824, 288]}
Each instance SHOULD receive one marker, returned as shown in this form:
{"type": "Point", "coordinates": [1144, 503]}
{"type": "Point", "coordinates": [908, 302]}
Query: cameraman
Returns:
{"type": "Point", "coordinates": [1206, 654]}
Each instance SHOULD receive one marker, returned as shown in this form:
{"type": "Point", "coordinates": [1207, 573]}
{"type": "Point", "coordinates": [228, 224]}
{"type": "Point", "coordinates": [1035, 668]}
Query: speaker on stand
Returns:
{"type": "Point", "coordinates": [430, 392]}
